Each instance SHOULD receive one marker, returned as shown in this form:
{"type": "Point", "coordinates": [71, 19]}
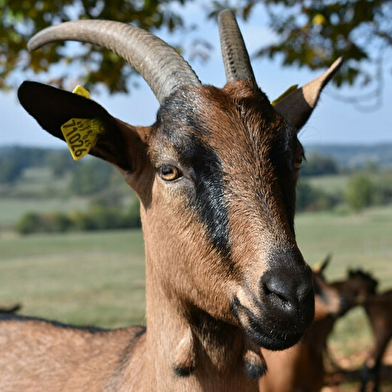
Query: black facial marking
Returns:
{"type": "Point", "coordinates": [204, 165]}
{"type": "Point", "coordinates": [210, 200]}
{"type": "Point", "coordinates": [283, 157]}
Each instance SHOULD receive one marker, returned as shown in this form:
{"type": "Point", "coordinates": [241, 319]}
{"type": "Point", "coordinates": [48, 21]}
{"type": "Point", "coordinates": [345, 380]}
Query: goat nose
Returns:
{"type": "Point", "coordinates": [287, 290]}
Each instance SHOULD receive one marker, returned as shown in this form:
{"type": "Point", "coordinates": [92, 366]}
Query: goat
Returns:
{"type": "Point", "coordinates": [358, 286]}
{"type": "Point", "coordinates": [301, 367]}
{"type": "Point", "coordinates": [378, 309]}
{"type": "Point", "coordinates": [216, 176]}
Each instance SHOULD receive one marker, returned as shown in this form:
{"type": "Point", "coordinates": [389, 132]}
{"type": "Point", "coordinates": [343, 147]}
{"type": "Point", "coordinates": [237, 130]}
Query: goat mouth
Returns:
{"type": "Point", "coordinates": [269, 333]}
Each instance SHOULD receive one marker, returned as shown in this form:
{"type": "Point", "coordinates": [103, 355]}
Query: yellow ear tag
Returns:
{"type": "Point", "coordinates": [79, 90]}
{"type": "Point", "coordinates": [285, 94]}
{"type": "Point", "coordinates": [81, 133]}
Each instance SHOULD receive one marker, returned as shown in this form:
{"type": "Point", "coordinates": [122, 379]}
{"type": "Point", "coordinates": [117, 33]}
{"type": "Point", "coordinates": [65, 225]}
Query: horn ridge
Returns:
{"type": "Point", "coordinates": [235, 55]}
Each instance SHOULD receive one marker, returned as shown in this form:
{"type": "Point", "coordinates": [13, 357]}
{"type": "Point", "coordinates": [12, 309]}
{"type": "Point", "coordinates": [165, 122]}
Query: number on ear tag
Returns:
{"type": "Point", "coordinates": [81, 133]}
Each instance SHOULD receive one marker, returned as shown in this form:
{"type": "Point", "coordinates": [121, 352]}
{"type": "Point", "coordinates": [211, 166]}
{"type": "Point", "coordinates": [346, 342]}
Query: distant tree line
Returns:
{"type": "Point", "coordinates": [311, 199]}
{"type": "Point", "coordinates": [360, 192]}
{"type": "Point", "coordinates": [96, 217]}
{"type": "Point", "coordinates": [362, 189]}
{"type": "Point", "coordinates": [14, 160]}
{"type": "Point", "coordinates": [91, 178]}
{"type": "Point", "coordinates": [88, 177]}
{"type": "Point", "coordinates": [319, 165]}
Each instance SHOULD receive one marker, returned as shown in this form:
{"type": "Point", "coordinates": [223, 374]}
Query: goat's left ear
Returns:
{"type": "Point", "coordinates": [326, 262]}
{"type": "Point", "coordinates": [120, 144]}
{"type": "Point", "coordinates": [320, 267]}
{"type": "Point", "coordinates": [298, 106]}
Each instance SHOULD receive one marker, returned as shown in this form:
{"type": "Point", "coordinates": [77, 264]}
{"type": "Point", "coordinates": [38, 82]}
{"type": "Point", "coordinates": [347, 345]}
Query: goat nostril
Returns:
{"type": "Point", "coordinates": [272, 292]}
{"type": "Point", "coordinates": [285, 289]}
{"type": "Point", "coordinates": [276, 291]}
{"type": "Point", "coordinates": [283, 299]}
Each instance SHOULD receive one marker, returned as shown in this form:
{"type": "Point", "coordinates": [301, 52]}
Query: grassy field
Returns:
{"type": "Point", "coordinates": [362, 240]}
{"type": "Point", "coordinates": [98, 278]}
{"type": "Point", "coordinates": [95, 279]}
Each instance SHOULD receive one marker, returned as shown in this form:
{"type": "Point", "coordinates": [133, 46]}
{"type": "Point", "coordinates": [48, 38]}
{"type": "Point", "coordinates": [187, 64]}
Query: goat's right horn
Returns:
{"type": "Point", "coordinates": [157, 62]}
{"type": "Point", "coordinates": [235, 56]}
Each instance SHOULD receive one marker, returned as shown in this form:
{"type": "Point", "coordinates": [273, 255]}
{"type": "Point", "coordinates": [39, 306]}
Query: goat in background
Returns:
{"type": "Point", "coordinates": [357, 287]}
{"type": "Point", "coordinates": [378, 308]}
{"type": "Point", "coordinates": [216, 176]}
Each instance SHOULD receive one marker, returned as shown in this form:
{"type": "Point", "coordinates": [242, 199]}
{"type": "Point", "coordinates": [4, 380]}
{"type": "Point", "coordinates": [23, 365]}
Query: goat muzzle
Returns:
{"type": "Point", "coordinates": [279, 314]}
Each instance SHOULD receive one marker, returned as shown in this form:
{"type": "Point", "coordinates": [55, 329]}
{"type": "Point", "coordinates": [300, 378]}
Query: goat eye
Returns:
{"type": "Point", "coordinates": [298, 162]}
{"type": "Point", "coordinates": [169, 172]}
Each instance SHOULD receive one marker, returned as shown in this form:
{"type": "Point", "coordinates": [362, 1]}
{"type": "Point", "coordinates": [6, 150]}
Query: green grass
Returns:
{"type": "Point", "coordinates": [94, 279]}
{"type": "Point", "coordinates": [362, 240]}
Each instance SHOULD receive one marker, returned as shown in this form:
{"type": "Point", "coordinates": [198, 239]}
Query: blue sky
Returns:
{"type": "Point", "coordinates": [332, 121]}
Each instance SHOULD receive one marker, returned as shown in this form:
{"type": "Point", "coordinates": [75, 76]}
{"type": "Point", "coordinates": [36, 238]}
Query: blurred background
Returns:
{"type": "Point", "coordinates": [71, 247]}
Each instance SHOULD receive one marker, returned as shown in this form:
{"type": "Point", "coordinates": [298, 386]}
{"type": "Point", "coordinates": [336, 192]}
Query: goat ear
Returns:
{"type": "Point", "coordinates": [298, 106]}
{"type": "Point", "coordinates": [320, 267]}
{"type": "Point", "coordinates": [52, 108]}
{"type": "Point", "coordinates": [325, 263]}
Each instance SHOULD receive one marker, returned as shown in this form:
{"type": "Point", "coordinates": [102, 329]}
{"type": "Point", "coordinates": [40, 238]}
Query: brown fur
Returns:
{"type": "Point", "coordinates": [47, 353]}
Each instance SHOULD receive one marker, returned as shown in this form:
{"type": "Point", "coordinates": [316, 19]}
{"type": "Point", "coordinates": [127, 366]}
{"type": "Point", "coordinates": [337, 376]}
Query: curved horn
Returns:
{"type": "Point", "coordinates": [158, 63]}
{"type": "Point", "coordinates": [235, 56]}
